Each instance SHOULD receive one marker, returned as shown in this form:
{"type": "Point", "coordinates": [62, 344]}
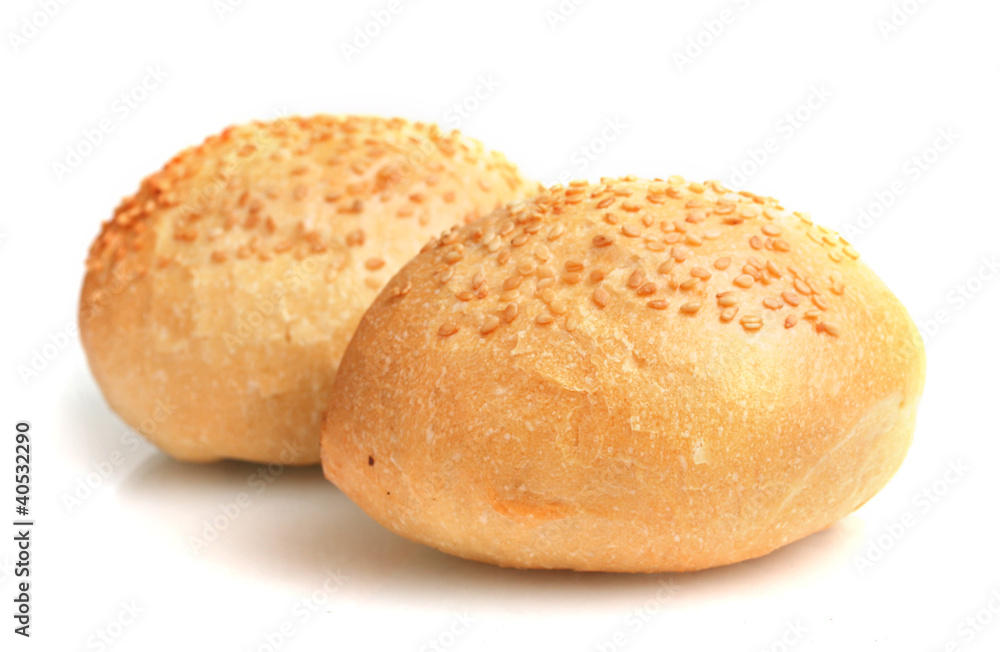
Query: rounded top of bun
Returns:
{"type": "Point", "coordinates": [294, 186]}
{"type": "Point", "coordinates": [668, 253]}
{"type": "Point", "coordinates": [233, 279]}
{"type": "Point", "coordinates": [626, 375]}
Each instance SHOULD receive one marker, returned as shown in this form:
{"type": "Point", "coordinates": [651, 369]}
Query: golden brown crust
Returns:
{"type": "Point", "coordinates": [231, 282]}
{"type": "Point", "coordinates": [625, 376]}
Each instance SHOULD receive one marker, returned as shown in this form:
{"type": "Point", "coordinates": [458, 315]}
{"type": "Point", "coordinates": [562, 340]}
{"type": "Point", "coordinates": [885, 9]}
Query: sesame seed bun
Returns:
{"type": "Point", "coordinates": [229, 285]}
{"type": "Point", "coordinates": [633, 376]}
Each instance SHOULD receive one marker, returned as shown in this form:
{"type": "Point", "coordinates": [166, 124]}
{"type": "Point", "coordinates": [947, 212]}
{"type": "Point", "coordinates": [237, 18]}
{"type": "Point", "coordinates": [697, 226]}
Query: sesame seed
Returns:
{"type": "Point", "coordinates": [548, 296]}
{"type": "Point", "coordinates": [526, 268]}
{"type": "Point", "coordinates": [556, 231]}
{"type": "Point", "coordinates": [546, 282]}
{"type": "Point", "coordinates": [835, 255]}
{"type": "Point", "coordinates": [743, 280]}
{"type": "Point", "coordinates": [510, 312]}
{"type": "Point", "coordinates": [819, 302]}
{"type": "Point", "coordinates": [655, 245]}
{"type": "Point", "coordinates": [773, 269]}
{"type": "Point", "coordinates": [636, 278]}
{"type": "Point", "coordinates": [601, 297]}
{"type": "Point", "coordinates": [544, 271]}
{"type": "Point", "coordinates": [672, 238]}
{"type": "Point", "coordinates": [701, 272]}
{"type": "Point", "coordinates": [658, 304]}
{"type": "Point", "coordinates": [666, 266]}
{"type": "Point", "coordinates": [646, 289]}
{"type": "Point", "coordinates": [722, 263]}
{"type": "Point", "coordinates": [772, 303]}
{"type": "Point", "coordinates": [452, 257]}
{"type": "Point", "coordinates": [558, 307]}
{"type": "Point", "coordinates": [791, 320]}
{"type": "Point", "coordinates": [445, 276]}
{"type": "Point", "coordinates": [695, 216]}
{"type": "Point", "coordinates": [611, 218]}
{"type": "Point", "coordinates": [791, 298]}
{"type": "Point", "coordinates": [512, 283]}
{"type": "Point", "coordinates": [602, 240]}
{"type": "Point", "coordinates": [728, 313]}
{"type": "Point", "coordinates": [691, 307]}
{"type": "Point", "coordinates": [692, 239]}
{"type": "Point", "coordinates": [802, 287]}
{"type": "Point", "coordinates": [781, 245]}
{"type": "Point", "coordinates": [770, 229]}
{"type": "Point", "coordinates": [630, 231]}
{"type": "Point", "coordinates": [465, 295]}
{"type": "Point", "coordinates": [607, 201]}
{"type": "Point", "coordinates": [756, 242]}
{"type": "Point", "coordinates": [544, 319]}
{"type": "Point", "coordinates": [403, 290]}
{"type": "Point", "coordinates": [751, 322]}
{"type": "Point", "coordinates": [376, 263]}
{"type": "Point", "coordinates": [573, 266]}
{"type": "Point", "coordinates": [811, 314]}
{"type": "Point", "coordinates": [679, 254]}
{"type": "Point", "coordinates": [447, 330]}
{"type": "Point", "coordinates": [542, 252]}
{"type": "Point", "coordinates": [727, 299]}
{"type": "Point", "coordinates": [597, 275]}
{"type": "Point", "coordinates": [519, 240]}
{"type": "Point", "coordinates": [571, 278]}
{"type": "Point", "coordinates": [828, 327]}
{"type": "Point", "coordinates": [852, 252]}
{"type": "Point", "coordinates": [478, 279]}
{"type": "Point", "coordinates": [689, 284]}
{"type": "Point", "coordinates": [570, 324]}
{"type": "Point", "coordinates": [503, 257]}
{"type": "Point", "coordinates": [837, 288]}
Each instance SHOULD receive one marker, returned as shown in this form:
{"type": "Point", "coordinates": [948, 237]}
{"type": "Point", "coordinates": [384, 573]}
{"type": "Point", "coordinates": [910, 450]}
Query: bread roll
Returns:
{"type": "Point", "coordinates": [219, 299]}
{"type": "Point", "coordinates": [627, 376]}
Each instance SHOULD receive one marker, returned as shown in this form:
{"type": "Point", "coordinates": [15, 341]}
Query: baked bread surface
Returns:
{"type": "Point", "coordinates": [629, 375]}
{"type": "Point", "coordinates": [220, 297]}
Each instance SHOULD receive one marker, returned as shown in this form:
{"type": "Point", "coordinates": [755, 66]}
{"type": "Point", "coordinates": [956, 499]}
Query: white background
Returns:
{"type": "Point", "coordinates": [886, 95]}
